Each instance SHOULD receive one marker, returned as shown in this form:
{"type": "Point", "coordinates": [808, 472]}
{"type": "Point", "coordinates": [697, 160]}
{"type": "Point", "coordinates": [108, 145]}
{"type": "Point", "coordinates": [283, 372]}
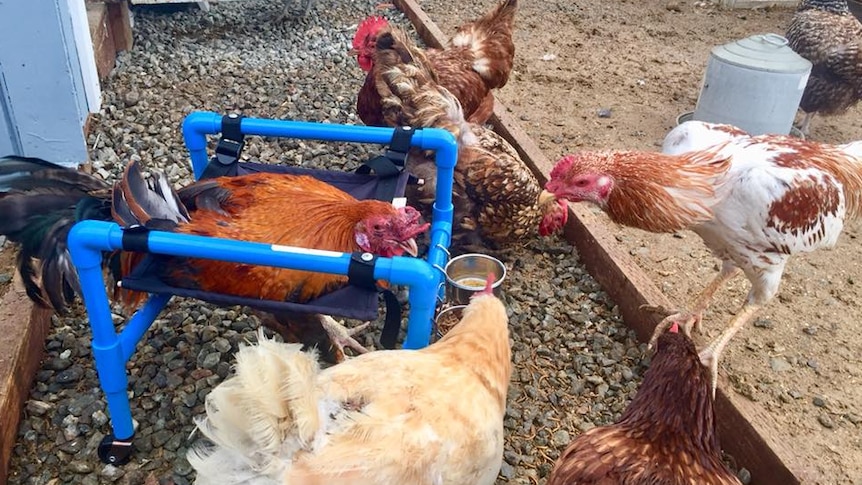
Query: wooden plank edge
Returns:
{"type": "Point", "coordinates": [621, 277]}
{"type": "Point", "coordinates": [23, 330]}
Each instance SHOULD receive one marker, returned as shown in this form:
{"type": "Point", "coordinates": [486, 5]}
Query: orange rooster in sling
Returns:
{"type": "Point", "coordinates": [41, 201]}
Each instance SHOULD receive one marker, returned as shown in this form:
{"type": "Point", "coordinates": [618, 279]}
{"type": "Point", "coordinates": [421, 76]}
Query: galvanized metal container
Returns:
{"type": "Point", "coordinates": [755, 84]}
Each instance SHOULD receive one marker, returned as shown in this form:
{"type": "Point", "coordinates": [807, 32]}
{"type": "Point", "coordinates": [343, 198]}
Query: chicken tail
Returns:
{"type": "Point", "coordinates": [260, 416]}
{"type": "Point", "coordinates": [40, 202]}
{"type": "Point", "coordinates": [489, 38]}
{"type": "Point", "coordinates": [152, 203]}
{"type": "Point", "coordinates": [409, 91]}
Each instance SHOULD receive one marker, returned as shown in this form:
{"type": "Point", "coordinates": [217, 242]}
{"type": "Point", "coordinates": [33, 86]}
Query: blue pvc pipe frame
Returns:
{"type": "Point", "coordinates": [88, 239]}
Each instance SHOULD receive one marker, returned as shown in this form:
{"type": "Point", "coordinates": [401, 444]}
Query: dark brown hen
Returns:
{"type": "Point", "coordinates": [477, 59]}
{"type": "Point", "coordinates": [666, 436]}
{"type": "Point", "coordinates": [825, 33]}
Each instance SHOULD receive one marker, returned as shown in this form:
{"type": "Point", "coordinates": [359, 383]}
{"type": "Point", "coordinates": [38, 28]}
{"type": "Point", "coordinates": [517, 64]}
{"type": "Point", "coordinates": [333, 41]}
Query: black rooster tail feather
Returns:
{"type": "Point", "coordinates": [153, 204]}
{"type": "Point", "coordinates": [40, 203]}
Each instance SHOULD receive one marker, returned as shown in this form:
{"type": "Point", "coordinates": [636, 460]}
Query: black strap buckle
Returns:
{"type": "Point", "coordinates": [228, 149]}
{"type": "Point", "coordinates": [390, 164]}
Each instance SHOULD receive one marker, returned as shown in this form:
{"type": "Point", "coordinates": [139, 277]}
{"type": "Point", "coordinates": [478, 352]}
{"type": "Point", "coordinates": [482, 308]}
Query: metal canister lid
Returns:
{"type": "Point", "coordinates": [765, 52]}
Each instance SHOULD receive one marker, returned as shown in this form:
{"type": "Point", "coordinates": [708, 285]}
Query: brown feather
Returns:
{"type": "Point", "coordinates": [666, 436]}
{"type": "Point", "coordinates": [825, 33]}
{"type": "Point", "coordinates": [477, 59]}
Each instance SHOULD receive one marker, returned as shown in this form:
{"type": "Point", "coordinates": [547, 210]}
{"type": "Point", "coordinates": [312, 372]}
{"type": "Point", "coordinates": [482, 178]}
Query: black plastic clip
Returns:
{"type": "Point", "coordinates": [228, 149]}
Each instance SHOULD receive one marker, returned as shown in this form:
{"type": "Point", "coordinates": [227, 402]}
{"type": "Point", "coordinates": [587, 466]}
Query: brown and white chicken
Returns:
{"type": "Point", "coordinates": [825, 33]}
{"type": "Point", "coordinates": [495, 194]}
{"type": "Point", "coordinates": [754, 200]}
{"type": "Point", "coordinates": [422, 417]}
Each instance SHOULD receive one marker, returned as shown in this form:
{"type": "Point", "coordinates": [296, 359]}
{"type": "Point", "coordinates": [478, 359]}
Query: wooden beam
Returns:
{"type": "Point", "coordinates": [753, 4]}
{"type": "Point", "coordinates": [755, 447]}
{"type": "Point", "coordinates": [103, 41]}
{"type": "Point", "coordinates": [23, 331]}
{"type": "Point", "coordinates": [120, 25]}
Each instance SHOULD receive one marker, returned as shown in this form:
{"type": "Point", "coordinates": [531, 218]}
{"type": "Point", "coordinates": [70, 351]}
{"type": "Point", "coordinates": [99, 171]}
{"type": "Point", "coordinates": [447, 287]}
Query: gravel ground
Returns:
{"type": "Point", "coordinates": [576, 364]}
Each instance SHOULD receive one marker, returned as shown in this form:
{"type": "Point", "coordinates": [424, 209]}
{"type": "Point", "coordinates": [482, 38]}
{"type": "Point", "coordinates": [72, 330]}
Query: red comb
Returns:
{"type": "Point", "coordinates": [489, 285]}
{"type": "Point", "coordinates": [366, 28]}
{"type": "Point", "coordinates": [674, 328]}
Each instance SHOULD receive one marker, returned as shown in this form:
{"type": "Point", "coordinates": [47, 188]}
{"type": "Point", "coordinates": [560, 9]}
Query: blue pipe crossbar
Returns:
{"type": "Point", "coordinates": [89, 239]}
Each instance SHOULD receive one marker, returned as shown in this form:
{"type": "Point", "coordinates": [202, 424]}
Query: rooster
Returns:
{"type": "Point", "coordinates": [477, 59]}
{"type": "Point", "coordinates": [429, 416]}
{"type": "Point", "coordinates": [666, 436]}
{"type": "Point", "coordinates": [496, 196]}
{"type": "Point", "coordinates": [754, 201]}
{"type": "Point", "coordinates": [825, 33]}
{"type": "Point", "coordinates": [41, 202]}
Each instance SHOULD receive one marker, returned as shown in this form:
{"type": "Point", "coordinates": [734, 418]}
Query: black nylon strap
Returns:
{"type": "Point", "coordinates": [360, 271]}
{"type": "Point", "coordinates": [390, 164]}
{"type": "Point", "coordinates": [228, 150]}
{"type": "Point", "coordinates": [136, 239]}
{"type": "Point", "coordinates": [231, 127]}
{"type": "Point", "coordinates": [392, 323]}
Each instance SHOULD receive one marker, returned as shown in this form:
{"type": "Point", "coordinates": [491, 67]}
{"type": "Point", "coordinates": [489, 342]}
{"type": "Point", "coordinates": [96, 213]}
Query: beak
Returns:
{"type": "Point", "coordinates": [546, 197]}
{"type": "Point", "coordinates": [410, 247]}
{"type": "Point", "coordinates": [353, 52]}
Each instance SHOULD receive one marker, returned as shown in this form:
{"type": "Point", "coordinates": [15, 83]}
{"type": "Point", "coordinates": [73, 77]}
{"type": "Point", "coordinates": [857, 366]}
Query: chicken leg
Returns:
{"type": "Point", "coordinates": [805, 124]}
{"type": "Point", "coordinates": [342, 337]}
{"type": "Point", "coordinates": [314, 331]}
{"type": "Point", "coordinates": [692, 319]}
{"type": "Point", "coordinates": [709, 356]}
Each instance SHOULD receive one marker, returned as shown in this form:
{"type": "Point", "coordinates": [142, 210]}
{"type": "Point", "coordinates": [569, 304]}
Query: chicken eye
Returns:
{"type": "Point", "coordinates": [581, 182]}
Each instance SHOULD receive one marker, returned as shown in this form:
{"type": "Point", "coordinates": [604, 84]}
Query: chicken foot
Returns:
{"type": "Point", "coordinates": [710, 354]}
{"type": "Point", "coordinates": [805, 124]}
{"type": "Point", "coordinates": [691, 319]}
{"type": "Point", "coordinates": [342, 337]}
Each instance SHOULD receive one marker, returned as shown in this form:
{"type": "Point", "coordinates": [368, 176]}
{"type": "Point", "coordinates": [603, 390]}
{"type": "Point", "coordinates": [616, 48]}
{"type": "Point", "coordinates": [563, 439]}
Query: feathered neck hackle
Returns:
{"type": "Point", "coordinates": [409, 90]}
{"type": "Point", "coordinates": [657, 192]}
{"type": "Point", "coordinates": [482, 335]}
{"type": "Point", "coordinates": [664, 406]}
{"type": "Point", "coordinates": [833, 6]}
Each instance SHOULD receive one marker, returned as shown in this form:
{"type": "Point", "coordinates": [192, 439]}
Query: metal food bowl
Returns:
{"type": "Point", "coordinates": [447, 318]}
{"type": "Point", "coordinates": [467, 275]}
{"type": "Point", "coordinates": [794, 131]}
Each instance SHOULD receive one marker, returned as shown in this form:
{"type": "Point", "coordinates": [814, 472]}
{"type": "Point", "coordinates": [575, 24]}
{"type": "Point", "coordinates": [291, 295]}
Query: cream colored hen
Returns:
{"type": "Point", "coordinates": [422, 417]}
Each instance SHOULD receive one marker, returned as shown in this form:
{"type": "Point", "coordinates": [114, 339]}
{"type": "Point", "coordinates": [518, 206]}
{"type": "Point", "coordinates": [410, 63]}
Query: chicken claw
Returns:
{"type": "Point", "coordinates": [686, 320]}
{"type": "Point", "coordinates": [342, 337]}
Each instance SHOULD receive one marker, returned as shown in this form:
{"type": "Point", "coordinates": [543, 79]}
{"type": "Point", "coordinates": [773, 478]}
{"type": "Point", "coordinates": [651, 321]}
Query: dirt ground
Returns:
{"type": "Point", "coordinates": [801, 362]}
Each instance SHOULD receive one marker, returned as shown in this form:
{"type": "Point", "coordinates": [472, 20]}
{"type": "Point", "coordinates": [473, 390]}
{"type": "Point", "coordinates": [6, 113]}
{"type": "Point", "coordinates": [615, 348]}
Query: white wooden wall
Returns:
{"type": "Point", "coordinates": [48, 81]}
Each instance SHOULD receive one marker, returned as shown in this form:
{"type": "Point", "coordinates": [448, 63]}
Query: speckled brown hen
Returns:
{"type": "Point", "coordinates": [825, 33]}
{"type": "Point", "coordinates": [495, 194]}
{"type": "Point", "coordinates": [754, 201]}
{"type": "Point", "coordinates": [666, 436]}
